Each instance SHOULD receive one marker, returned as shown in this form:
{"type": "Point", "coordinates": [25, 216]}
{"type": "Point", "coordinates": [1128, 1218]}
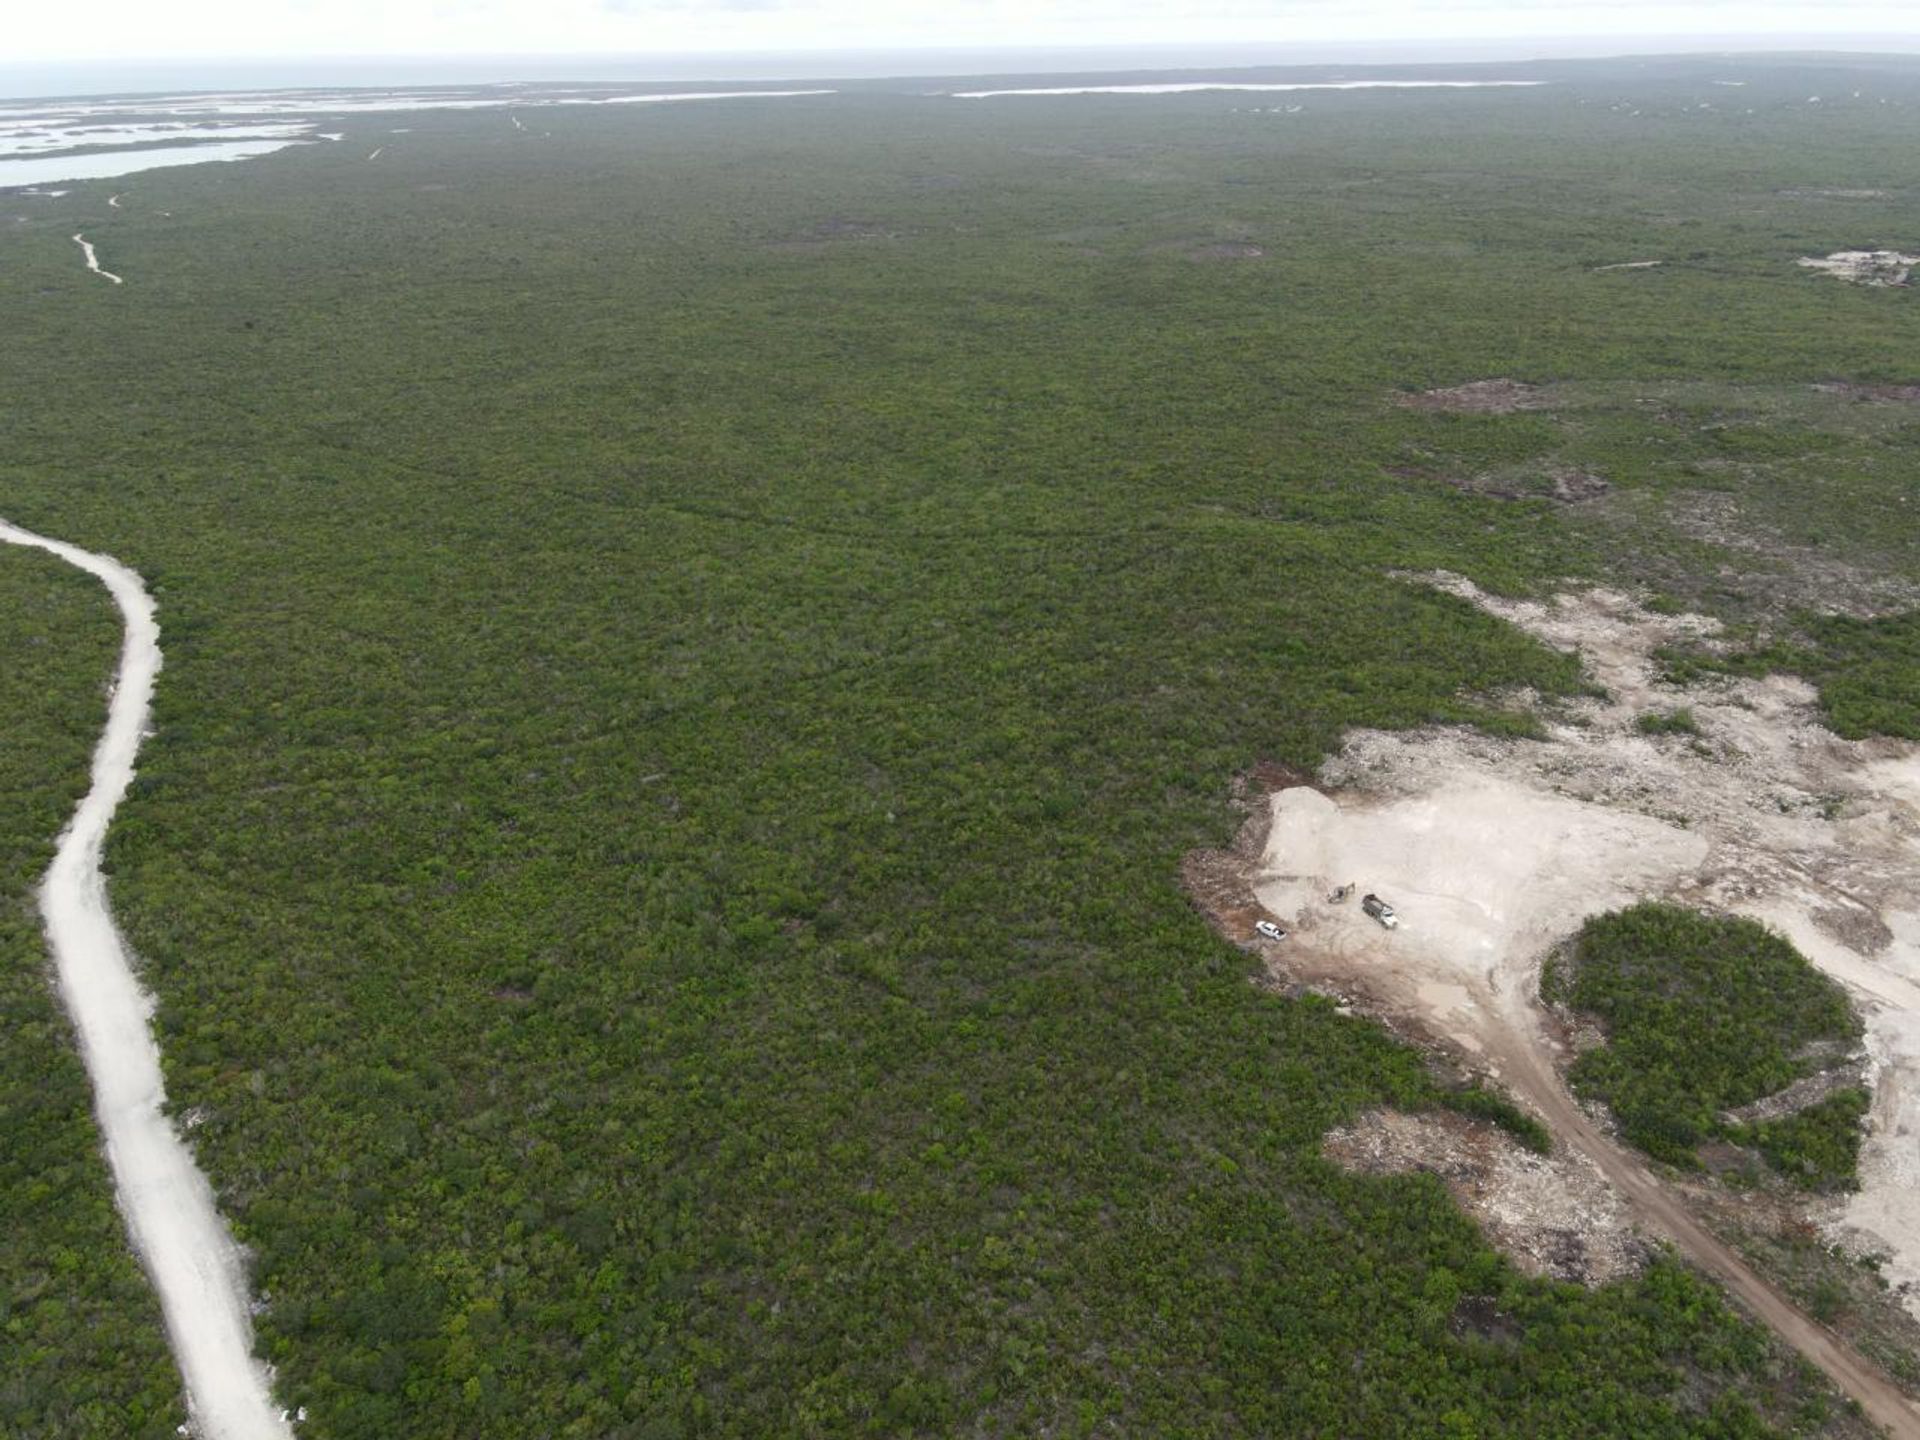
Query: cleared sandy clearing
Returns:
{"type": "Point", "coordinates": [169, 1208]}
{"type": "Point", "coordinates": [1864, 267]}
{"type": "Point", "coordinates": [1494, 850]}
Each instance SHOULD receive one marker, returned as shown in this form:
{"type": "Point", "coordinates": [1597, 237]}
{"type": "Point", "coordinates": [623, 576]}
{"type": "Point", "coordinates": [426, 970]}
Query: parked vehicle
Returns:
{"type": "Point", "coordinates": [1267, 930]}
{"type": "Point", "coordinates": [1379, 910]}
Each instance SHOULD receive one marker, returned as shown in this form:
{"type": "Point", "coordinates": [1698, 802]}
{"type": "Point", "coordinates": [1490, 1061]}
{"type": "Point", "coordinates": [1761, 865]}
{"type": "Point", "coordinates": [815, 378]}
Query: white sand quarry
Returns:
{"type": "Point", "coordinates": [178, 1234]}
{"type": "Point", "coordinates": [1493, 850]}
{"type": "Point", "coordinates": [1486, 875]}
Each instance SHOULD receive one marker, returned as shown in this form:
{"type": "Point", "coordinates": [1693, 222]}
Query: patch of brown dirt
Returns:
{"type": "Point", "coordinates": [836, 230]}
{"type": "Point", "coordinates": [1901, 394]}
{"type": "Point", "coordinates": [1220, 882]}
{"type": "Point", "coordinates": [1478, 1315]}
{"type": "Point", "coordinates": [1564, 484]}
{"type": "Point", "coordinates": [1479, 397]}
{"type": "Point", "coordinates": [1854, 926]}
{"type": "Point", "coordinates": [1573, 486]}
{"type": "Point", "coordinates": [840, 228]}
{"type": "Point", "coordinates": [1266, 778]}
{"type": "Point", "coordinates": [1226, 250]}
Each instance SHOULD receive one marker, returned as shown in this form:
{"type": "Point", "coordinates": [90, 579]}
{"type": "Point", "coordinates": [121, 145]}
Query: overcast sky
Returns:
{"type": "Point", "coordinates": [39, 30]}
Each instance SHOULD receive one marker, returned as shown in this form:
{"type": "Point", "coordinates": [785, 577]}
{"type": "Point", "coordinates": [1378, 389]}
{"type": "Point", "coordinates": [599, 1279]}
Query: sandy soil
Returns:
{"type": "Point", "coordinates": [1494, 850]}
{"type": "Point", "coordinates": [178, 1234]}
{"type": "Point", "coordinates": [93, 260]}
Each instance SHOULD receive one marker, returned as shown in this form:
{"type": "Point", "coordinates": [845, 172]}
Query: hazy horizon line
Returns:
{"type": "Point", "coordinates": [52, 79]}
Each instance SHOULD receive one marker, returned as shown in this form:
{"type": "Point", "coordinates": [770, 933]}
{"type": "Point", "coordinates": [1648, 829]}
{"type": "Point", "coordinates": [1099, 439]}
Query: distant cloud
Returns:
{"type": "Point", "coordinates": [647, 7]}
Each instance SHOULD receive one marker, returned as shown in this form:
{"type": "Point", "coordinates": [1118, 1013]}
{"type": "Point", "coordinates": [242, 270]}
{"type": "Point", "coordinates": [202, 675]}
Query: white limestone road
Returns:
{"type": "Point", "coordinates": [113, 202]}
{"type": "Point", "coordinates": [185, 1247]}
{"type": "Point", "coordinates": [93, 260]}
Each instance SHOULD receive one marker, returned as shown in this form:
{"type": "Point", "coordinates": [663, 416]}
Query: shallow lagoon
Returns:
{"type": "Point", "coordinates": [110, 164]}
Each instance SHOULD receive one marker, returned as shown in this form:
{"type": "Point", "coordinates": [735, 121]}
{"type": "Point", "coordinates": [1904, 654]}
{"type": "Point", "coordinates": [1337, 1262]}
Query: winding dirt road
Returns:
{"type": "Point", "coordinates": [1490, 1016]}
{"type": "Point", "coordinates": [93, 260]}
{"type": "Point", "coordinates": [167, 1203]}
{"type": "Point", "coordinates": [1528, 1071]}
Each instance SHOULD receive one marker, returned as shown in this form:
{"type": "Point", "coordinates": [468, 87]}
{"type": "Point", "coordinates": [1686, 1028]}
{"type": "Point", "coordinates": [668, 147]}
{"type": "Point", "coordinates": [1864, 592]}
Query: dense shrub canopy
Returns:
{"type": "Point", "coordinates": [1706, 1013]}
{"type": "Point", "coordinates": [697, 638]}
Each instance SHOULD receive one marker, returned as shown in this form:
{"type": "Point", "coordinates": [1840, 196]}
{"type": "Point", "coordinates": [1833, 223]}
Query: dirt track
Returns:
{"type": "Point", "coordinates": [197, 1270]}
{"type": "Point", "coordinates": [1529, 1073]}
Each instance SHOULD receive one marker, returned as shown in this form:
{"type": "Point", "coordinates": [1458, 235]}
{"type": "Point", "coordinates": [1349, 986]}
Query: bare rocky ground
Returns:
{"type": "Point", "coordinates": [1495, 850]}
{"type": "Point", "coordinates": [1792, 577]}
{"type": "Point", "coordinates": [1478, 397]}
{"type": "Point", "coordinates": [1864, 267]}
{"type": "Point", "coordinates": [834, 231]}
{"type": "Point", "coordinates": [1226, 250]}
{"type": "Point", "coordinates": [1551, 480]}
{"type": "Point", "coordinates": [1554, 1215]}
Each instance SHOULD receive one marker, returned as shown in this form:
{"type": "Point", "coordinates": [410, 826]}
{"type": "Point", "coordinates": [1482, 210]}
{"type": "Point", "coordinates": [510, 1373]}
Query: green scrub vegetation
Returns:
{"type": "Point", "coordinates": [1705, 1014]}
{"type": "Point", "coordinates": [1867, 671]}
{"type": "Point", "coordinates": [696, 643]}
{"type": "Point", "coordinates": [1669, 722]}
